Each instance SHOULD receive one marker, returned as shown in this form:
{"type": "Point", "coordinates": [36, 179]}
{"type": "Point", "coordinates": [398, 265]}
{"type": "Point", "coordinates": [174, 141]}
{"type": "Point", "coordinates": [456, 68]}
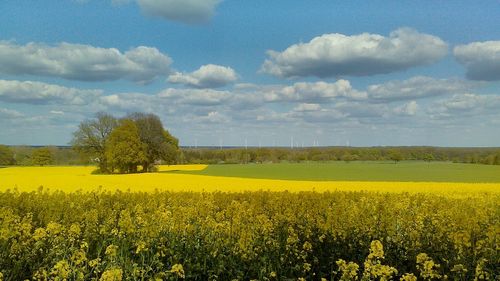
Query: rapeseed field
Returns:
{"type": "Point", "coordinates": [64, 223]}
{"type": "Point", "coordinates": [248, 236]}
{"type": "Point", "coordinates": [70, 179]}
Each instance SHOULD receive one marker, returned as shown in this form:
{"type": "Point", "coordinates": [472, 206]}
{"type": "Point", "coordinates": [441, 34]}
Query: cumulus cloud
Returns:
{"type": "Point", "coordinates": [332, 55]}
{"type": "Point", "coordinates": [362, 110]}
{"type": "Point", "coordinates": [10, 114]}
{"type": "Point", "coordinates": [83, 62]}
{"type": "Point", "coordinates": [465, 105]}
{"type": "Point", "coordinates": [481, 60]}
{"type": "Point", "coordinates": [470, 101]}
{"type": "Point", "coordinates": [307, 107]}
{"type": "Point", "coordinates": [185, 11]}
{"type": "Point", "coordinates": [409, 109]}
{"type": "Point", "coordinates": [127, 102]}
{"type": "Point", "coordinates": [316, 92]}
{"type": "Point", "coordinates": [212, 117]}
{"type": "Point", "coordinates": [271, 108]}
{"type": "Point", "coordinates": [416, 88]}
{"type": "Point", "coordinates": [207, 76]}
{"type": "Point", "coordinates": [322, 115]}
{"type": "Point", "coordinates": [199, 97]}
{"type": "Point", "coordinates": [30, 92]}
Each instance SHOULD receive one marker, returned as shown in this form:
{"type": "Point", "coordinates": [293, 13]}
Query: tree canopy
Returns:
{"type": "Point", "coordinates": [6, 156]}
{"type": "Point", "coordinates": [42, 157]}
{"type": "Point", "coordinates": [91, 138]}
{"type": "Point", "coordinates": [139, 139]}
{"type": "Point", "coordinates": [160, 144]}
{"type": "Point", "coordinates": [125, 151]}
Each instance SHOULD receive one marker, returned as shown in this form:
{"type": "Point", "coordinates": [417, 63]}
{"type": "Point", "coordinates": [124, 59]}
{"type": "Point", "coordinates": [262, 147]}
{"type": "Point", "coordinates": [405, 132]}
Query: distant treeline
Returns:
{"type": "Point", "coordinates": [28, 155]}
{"type": "Point", "coordinates": [39, 156]}
{"type": "Point", "coordinates": [489, 156]}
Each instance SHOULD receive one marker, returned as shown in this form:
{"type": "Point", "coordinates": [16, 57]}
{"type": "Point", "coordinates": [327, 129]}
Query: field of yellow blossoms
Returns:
{"type": "Point", "coordinates": [62, 223]}
{"type": "Point", "coordinates": [71, 179]}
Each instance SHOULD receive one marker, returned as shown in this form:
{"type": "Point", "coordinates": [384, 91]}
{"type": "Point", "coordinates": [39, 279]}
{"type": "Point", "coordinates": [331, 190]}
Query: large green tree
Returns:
{"type": "Point", "coordinates": [125, 150]}
{"type": "Point", "coordinates": [160, 144]}
{"type": "Point", "coordinates": [42, 157]}
{"type": "Point", "coordinates": [91, 139]}
{"type": "Point", "coordinates": [6, 156]}
{"type": "Point", "coordinates": [395, 155]}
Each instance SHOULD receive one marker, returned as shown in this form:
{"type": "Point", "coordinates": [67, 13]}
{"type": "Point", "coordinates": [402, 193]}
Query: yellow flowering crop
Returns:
{"type": "Point", "coordinates": [169, 226]}
{"type": "Point", "coordinates": [70, 179]}
{"type": "Point", "coordinates": [256, 235]}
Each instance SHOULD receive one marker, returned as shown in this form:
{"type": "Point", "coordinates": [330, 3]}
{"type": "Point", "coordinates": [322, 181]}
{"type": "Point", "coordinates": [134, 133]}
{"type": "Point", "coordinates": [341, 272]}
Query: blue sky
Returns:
{"type": "Point", "coordinates": [353, 72]}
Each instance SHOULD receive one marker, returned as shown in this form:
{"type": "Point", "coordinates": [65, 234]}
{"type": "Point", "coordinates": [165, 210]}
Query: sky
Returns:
{"type": "Point", "coordinates": [260, 72]}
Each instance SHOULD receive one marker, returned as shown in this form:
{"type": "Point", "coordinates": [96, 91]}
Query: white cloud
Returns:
{"type": "Point", "coordinates": [362, 110]}
{"type": "Point", "coordinates": [30, 92]}
{"type": "Point", "coordinates": [212, 117]}
{"type": "Point", "coordinates": [317, 116]}
{"type": "Point", "coordinates": [416, 88]}
{"type": "Point", "coordinates": [83, 62]}
{"type": "Point", "coordinates": [186, 11]}
{"type": "Point", "coordinates": [307, 107]}
{"type": "Point", "coordinates": [207, 76]}
{"type": "Point", "coordinates": [198, 97]}
{"type": "Point", "coordinates": [128, 102]}
{"type": "Point", "coordinates": [409, 109]}
{"type": "Point", "coordinates": [462, 105]}
{"type": "Point", "coordinates": [481, 60]}
{"type": "Point", "coordinates": [316, 92]}
{"type": "Point", "coordinates": [10, 114]}
{"type": "Point", "coordinates": [332, 55]}
{"type": "Point", "coordinates": [276, 110]}
{"type": "Point", "coordinates": [471, 101]}
{"type": "Point", "coordinates": [272, 117]}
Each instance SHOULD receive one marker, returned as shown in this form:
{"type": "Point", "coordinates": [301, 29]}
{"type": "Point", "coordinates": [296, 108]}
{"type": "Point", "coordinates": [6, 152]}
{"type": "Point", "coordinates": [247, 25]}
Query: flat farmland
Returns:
{"type": "Point", "coordinates": [412, 177]}
{"type": "Point", "coordinates": [407, 171]}
{"type": "Point", "coordinates": [308, 221]}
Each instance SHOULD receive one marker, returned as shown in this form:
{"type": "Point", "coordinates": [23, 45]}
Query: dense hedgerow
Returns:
{"type": "Point", "coordinates": [255, 235]}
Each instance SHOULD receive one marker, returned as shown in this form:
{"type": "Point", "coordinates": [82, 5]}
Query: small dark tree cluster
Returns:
{"type": "Point", "coordinates": [6, 156]}
{"type": "Point", "coordinates": [125, 144]}
{"type": "Point", "coordinates": [42, 157]}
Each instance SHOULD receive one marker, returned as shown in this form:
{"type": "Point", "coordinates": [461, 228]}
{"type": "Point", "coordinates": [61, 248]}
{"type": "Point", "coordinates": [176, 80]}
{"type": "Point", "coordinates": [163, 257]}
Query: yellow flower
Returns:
{"type": "Point", "coordinates": [94, 262]}
{"type": "Point", "coordinates": [61, 270]}
{"type": "Point", "coordinates": [376, 250]}
{"type": "Point", "coordinates": [428, 269]}
{"type": "Point", "coordinates": [111, 251]}
{"type": "Point", "coordinates": [307, 246]}
{"type": "Point", "coordinates": [307, 267]}
{"type": "Point", "coordinates": [141, 246]}
{"type": "Point", "coordinates": [74, 230]}
{"type": "Point", "coordinates": [349, 270]}
{"type": "Point", "coordinates": [114, 274]}
{"type": "Point", "coordinates": [39, 234]}
{"type": "Point", "coordinates": [481, 274]}
{"type": "Point", "coordinates": [54, 228]}
{"type": "Point", "coordinates": [178, 270]}
{"type": "Point", "coordinates": [78, 257]}
{"type": "Point", "coordinates": [408, 277]}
